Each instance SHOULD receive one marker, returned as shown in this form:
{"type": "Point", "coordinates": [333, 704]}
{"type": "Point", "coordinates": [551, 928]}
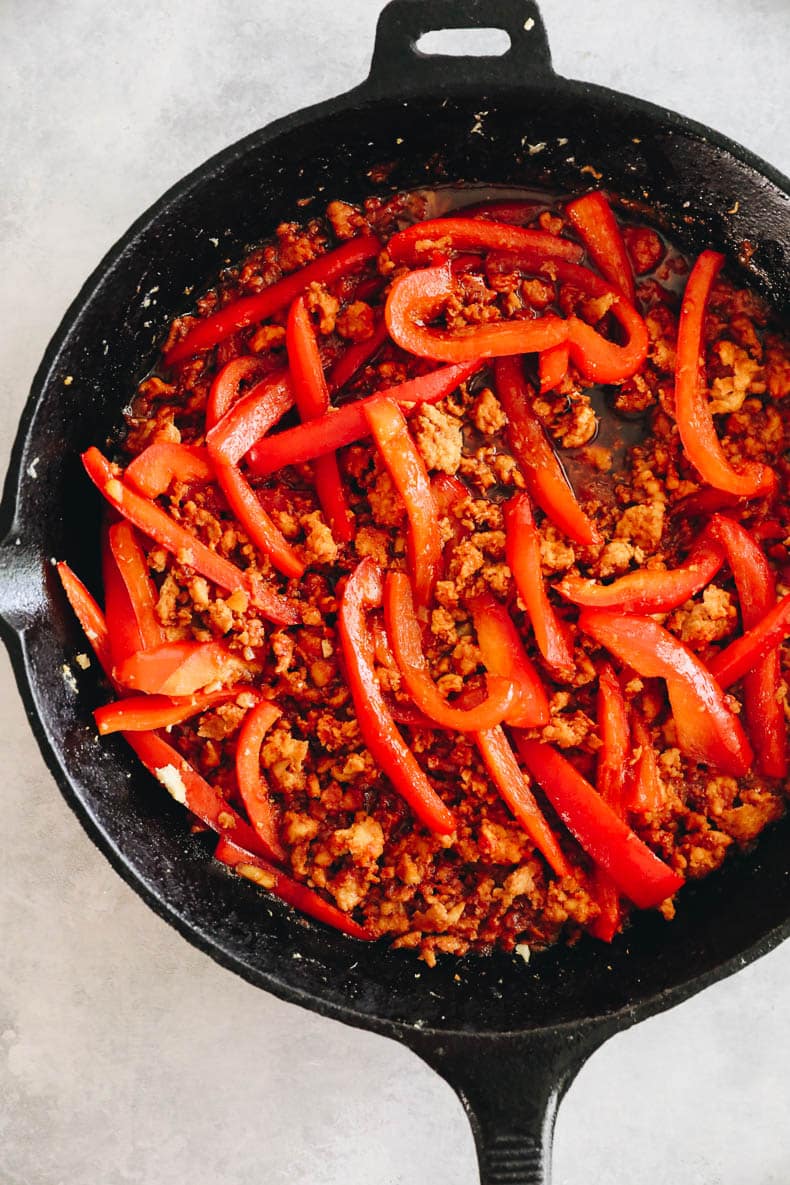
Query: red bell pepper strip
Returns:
{"type": "Point", "coordinates": [251, 417]}
{"type": "Point", "coordinates": [707, 730]}
{"type": "Point", "coordinates": [737, 659]}
{"type": "Point", "coordinates": [254, 792]}
{"type": "Point", "coordinates": [500, 761]}
{"type": "Point", "coordinates": [403, 629]}
{"type": "Point", "coordinates": [638, 873]}
{"type": "Point", "coordinates": [227, 384]}
{"type": "Point", "coordinates": [698, 435]}
{"type": "Point", "coordinates": [153, 470]}
{"type": "Point", "coordinates": [124, 629]}
{"type": "Point", "coordinates": [364, 591]}
{"type": "Point", "coordinates": [613, 759]}
{"type": "Point", "coordinates": [153, 522]}
{"type": "Point", "coordinates": [419, 241]}
{"type": "Point", "coordinates": [522, 548]}
{"type": "Point", "coordinates": [348, 424]}
{"type": "Point", "coordinates": [187, 787]}
{"type": "Point", "coordinates": [645, 791]}
{"type": "Point", "coordinates": [407, 469]}
{"type": "Point", "coordinates": [132, 565]}
{"type": "Point", "coordinates": [756, 585]}
{"type": "Point", "coordinates": [147, 713]}
{"type": "Point", "coordinates": [312, 400]}
{"type": "Point", "coordinates": [307, 901]}
{"type": "Point", "coordinates": [89, 616]}
{"type": "Point", "coordinates": [246, 506]}
{"type": "Point", "coordinates": [504, 656]}
{"type": "Point", "coordinates": [208, 331]}
{"type": "Point", "coordinates": [516, 212]}
{"type": "Point", "coordinates": [553, 367]}
{"type": "Point", "coordinates": [543, 472]}
{"type": "Point", "coordinates": [179, 668]}
{"type": "Point", "coordinates": [355, 357]}
{"type": "Point", "coordinates": [596, 358]}
{"type": "Point", "coordinates": [596, 225]}
{"type": "Point", "coordinates": [649, 590]}
{"type": "Point", "coordinates": [706, 501]}
{"type": "Point", "coordinates": [417, 297]}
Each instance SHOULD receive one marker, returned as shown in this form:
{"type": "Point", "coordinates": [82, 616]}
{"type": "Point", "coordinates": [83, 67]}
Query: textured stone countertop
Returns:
{"type": "Point", "coordinates": [127, 1056]}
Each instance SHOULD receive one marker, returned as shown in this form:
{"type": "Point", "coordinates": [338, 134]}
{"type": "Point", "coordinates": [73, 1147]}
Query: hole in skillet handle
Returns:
{"type": "Point", "coordinates": [399, 67]}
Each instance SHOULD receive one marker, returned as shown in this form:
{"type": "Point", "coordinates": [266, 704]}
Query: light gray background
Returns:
{"type": "Point", "coordinates": [126, 1055]}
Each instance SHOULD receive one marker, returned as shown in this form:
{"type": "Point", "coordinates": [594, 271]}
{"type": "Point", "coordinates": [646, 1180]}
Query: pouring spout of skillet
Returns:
{"type": "Point", "coordinates": [508, 1035]}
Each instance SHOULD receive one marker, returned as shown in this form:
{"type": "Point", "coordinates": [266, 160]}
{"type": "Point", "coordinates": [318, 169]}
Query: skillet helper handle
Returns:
{"type": "Point", "coordinates": [399, 66]}
{"type": "Point", "coordinates": [511, 1087]}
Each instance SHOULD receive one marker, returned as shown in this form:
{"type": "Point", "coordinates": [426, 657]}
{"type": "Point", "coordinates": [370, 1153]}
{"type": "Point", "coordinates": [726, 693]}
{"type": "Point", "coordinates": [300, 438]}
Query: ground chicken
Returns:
{"type": "Point", "coordinates": [698, 623]}
{"type": "Point", "coordinates": [438, 437]}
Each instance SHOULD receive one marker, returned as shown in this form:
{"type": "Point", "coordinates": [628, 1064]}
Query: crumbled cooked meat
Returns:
{"type": "Point", "coordinates": [319, 543]}
{"type": "Point", "coordinates": [710, 620]}
{"type": "Point", "coordinates": [438, 437]}
{"type": "Point", "coordinates": [487, 413]}
{"type": "Point", "coordinates": [742, 376]}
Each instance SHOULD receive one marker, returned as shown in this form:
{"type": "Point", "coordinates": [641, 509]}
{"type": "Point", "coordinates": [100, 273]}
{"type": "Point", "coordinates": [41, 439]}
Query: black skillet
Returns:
{"type": "Point", "coordinates": [509, 1037]}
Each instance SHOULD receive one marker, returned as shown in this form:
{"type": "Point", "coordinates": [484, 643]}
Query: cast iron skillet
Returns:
{"type": "Point", "coordinates": [507, 1036]}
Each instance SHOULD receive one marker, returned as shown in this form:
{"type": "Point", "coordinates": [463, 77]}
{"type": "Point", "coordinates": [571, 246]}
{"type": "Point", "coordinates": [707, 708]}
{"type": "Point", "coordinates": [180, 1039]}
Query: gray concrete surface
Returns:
{"type": "Point", "coordinates": [127, 1057]}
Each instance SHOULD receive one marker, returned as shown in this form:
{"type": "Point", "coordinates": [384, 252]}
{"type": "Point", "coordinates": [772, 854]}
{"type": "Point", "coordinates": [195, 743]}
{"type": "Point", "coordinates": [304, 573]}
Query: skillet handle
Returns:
{"type": "Point", "coordinates": [511, 1087]}
{"type": "Point", "coordinates": [399, 66]}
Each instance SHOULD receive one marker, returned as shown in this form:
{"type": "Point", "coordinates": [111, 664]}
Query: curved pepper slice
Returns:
{"type": "Point", "coordinates": [227, 384]}
{"type": "Point", "coordinates": [363, 591]}
{"type": "Point", "coordinates": [403, 629]}
{"type": "Point", "coordinates": [522, 548]}
{"type": "Point", "coordinates": [188, 788]}
{"type": "Point", "coordinates": [154, 469]}
{"type": "Point", "coordinates": [147, 713]}
{"type": "Point", "coordinates": [746, 652]}
{"type": "Point", "coordinates": [179, 668]}
{"type": "Point", "coordinates": [543, 472]}
{"type": "Point", "coordinates": [595, 357]}
{"type": "Point", "coordinates": [250, 417]}
{"type": "Point", "coordinates": [312, 400]}
{"type": "Point", "coordinates": [266, 876]}
{"type": "Point", "coordinates": [153, 522]}
{"type": "Point", "coordinates": [500, 761]}
{"type": "Point", "coordinates": [706, 728]}
{"type": "Point", "coordinates": [89, 616]}
{"type": "Point", "coordinates": [419, 242]}
{"type": "Point", "coordinates": [553, 367]}
{"type": "Point", "coordinates": [515, 212]}
{"type": "Point", "coordinates": [417, 297]}
{"type": "Point", "coordinates": [208, 331]}
{"type": "Point", "coordinates": [596, 225]}
{"type": "Point", "coordinates": [124, 629]}
{"type": "Point", "coordinates": [756, 585]}
{"type": "Point", "coordinates": [348, 424]}
{"type": "Point", "coordinates": [638, 873]}
{"type": "Point", "coordinates": [252, 787]}
{"type": "Point", "coordinates": [504, 656]}
{"type": "Point", "coordinates": [407, 469]}
{"type": "Point", "coordinates": [648, 590]}
{"type": "Point", "coordinates": [247, 508]}
{"type": "Point", "coordinates": [698, 435]}
{"type": "Point", "coordinates": [613, 759]}
{"type": "Point", "coordinates": [133, 569]}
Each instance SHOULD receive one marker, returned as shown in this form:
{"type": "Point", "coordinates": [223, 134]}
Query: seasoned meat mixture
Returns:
{"type": "Point", "coordinates": [488, 838]}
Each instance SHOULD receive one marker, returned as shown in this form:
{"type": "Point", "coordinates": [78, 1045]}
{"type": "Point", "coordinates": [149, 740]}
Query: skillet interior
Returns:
{"type": "Point", "coordinates": [108, 341]}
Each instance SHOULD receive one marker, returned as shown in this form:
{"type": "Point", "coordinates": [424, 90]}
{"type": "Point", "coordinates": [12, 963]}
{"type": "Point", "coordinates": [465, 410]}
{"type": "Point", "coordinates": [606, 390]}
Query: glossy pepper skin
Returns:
{"type": "Point", "coordinates": [756, 585]}
{"type": "Point", "coordinates": [504, 655]}
{"type": "Point", "coordinates": [227, 385]}
{"type": "Point", "coordinates": [133, 569]}
{"type": "Point", "coordinates": [553, 367]}
{"type": "Point", "coordinates": [545, 477]}
{"type": "Point", "coordinates": [592, 218]}
{"type": "Point", "coordinates": [124, 633]}
{"type": "Point", "coordinates": [410, 477]}
{"type": "Point", "coordinates": [209, 331]}
{"type": "Point", "coordinates": [249, 417]}
{"type": "Point", "coordinates": [522, 548]}
{"type": "Point", "coordinates": [178, 668]}
{"type": "Point", "coordinates": [148, 713]}
{"type": "Point", "coordinates": [348, 424]}
{"type": "Point", "coordinates": [153, 470]}
{"type": "Point", "coordinates": [707, 730]}
{"type": "Point", "coordinates": [404, 633]}
{"type": "Point", "coordinates": [312, 400]}
{"type": "Point", "coordinates": [636, 871]}
{"type": "Point", "coordinates": [364, 591]}
{"type": "Point", "coordinates": [698, 435]}
{"type": "Point", "coordinates": [645, 791]}
{"type": "Point", "coordinates": [252, 786]}
{"type": "Point", "coordinates": [157, 525]}
{"type": "Point", "coordinates": [264, 874]}
{"type": "Point", "coordinates": [89, 615]}
{"type": "Point", "coordinates": [418, 242]}
{"type": "Point", "coordinates": [748, 651]}
{"type": "Point", "coordinates": [613, 759]}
